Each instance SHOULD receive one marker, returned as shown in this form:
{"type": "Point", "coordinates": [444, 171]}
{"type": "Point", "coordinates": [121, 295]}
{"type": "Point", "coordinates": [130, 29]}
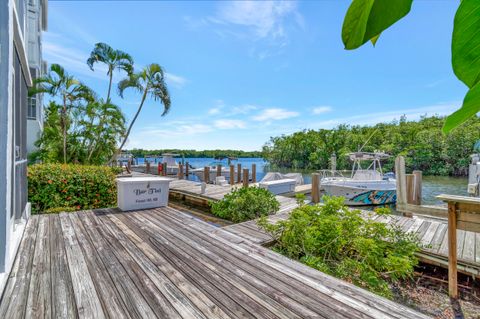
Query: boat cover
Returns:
{"type": "Point", "coordinates": [275, 176]}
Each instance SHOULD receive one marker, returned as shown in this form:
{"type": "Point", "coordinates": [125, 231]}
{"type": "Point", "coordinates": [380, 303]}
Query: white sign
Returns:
{"type": "Point", "coordinates": [142, 192]}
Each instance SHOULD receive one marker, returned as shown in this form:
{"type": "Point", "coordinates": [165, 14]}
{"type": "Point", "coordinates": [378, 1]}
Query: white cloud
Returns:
{"type": "Point", "coordinates": [175, 80]}
{"type": "Point", "coordinates": [274, 114]}
{"type": "Point", "coordinates": [321, 109]}
{"type": "Point", "coordinates": [229, 124]}
{"type": "Point", "coordinates": [264, 18]}
{"type": "Point", "coordinates": [243, 109]}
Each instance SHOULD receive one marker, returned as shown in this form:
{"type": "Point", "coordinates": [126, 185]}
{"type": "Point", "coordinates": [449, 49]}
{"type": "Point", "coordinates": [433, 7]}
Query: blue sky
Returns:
{"type": "Point", "coordinates": [240, 72]}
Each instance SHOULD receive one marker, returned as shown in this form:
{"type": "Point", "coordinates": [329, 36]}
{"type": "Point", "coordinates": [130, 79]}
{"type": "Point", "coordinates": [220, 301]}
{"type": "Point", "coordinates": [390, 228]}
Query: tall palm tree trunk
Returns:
{"type": "Point", "coordinates": [130, 127]}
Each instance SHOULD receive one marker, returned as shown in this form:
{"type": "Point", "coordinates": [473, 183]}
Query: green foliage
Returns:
{"type": "Point", "coordinates": [245, 203]}
{"type": "Point", "coordinates": [422, 143]}
{"type": "Point", "coordinates": [150, 82]}
{"type": "Point", "coordinates": [338, 241]}
{"type": "Point", "coordinates": [61, 187]}
{"type": "Point", "coordinates": [367, 19]}
{"type": "Point", "coordinates": [194, 153]}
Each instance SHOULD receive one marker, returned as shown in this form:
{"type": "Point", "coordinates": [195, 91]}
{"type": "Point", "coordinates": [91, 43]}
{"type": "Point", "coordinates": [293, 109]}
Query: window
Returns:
{"type": "Point", "coordinates": [32, 108]}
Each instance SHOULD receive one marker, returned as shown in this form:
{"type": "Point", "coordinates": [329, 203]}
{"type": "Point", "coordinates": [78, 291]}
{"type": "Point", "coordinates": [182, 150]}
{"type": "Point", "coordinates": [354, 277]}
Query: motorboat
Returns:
{"type": "Point", "coordinates": [172, 164]}
{"type": "Point", "coordinates": [213, 171]}
{"type": "Point", "coordinates": [365, 186]}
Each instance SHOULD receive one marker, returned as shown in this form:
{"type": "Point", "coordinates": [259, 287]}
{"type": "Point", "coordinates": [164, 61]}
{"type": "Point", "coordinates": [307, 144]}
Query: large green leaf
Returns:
{"type": "Point", "coordinates": [366, 19]}
{"type": "Point", "coordinates": [466, 42]}
{"type": "Point", "coordinates": [470, 107]}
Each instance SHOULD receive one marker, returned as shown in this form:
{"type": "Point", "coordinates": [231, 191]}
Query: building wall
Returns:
{"type": "Point", "coordinates": [15, 78]}
{"type": "Point", "coordinates": [34, 26]}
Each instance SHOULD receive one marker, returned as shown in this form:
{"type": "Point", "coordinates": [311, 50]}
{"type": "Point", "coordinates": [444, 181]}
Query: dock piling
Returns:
{"type": "Point", "coordinates": [206, 174]}
{"type": "Point", "coordinates": [239, 173]}
{"type": "Point", "coordinates": [254, 173]}
{"type": "Point", "coordinates": [147, 168]}
{"type": "Point", "coordinates": [315, 188]}
{"type": "Point", "coordinates": [164, 171]}
{"type": "Point", "coordinates": [245, 177]}
{"type": "Point", "coordinates": [186, 169]}
{"type": "Point", "coordinates": [219, 170]}
{"type": "Point", "coordinates": [180, 171]}
{"type": "Point", "coordinates": [232, 174]}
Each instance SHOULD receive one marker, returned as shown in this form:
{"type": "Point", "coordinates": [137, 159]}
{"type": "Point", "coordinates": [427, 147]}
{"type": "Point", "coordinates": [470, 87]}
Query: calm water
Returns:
{"type": "Point", "coordinates": [432, 185]}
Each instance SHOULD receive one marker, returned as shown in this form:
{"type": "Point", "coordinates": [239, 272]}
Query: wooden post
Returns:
{"type": "Point", "coordinates": [245, 177]}
{"type": "Point", "coordinates": [417, 189]}
{"type": "Point", "coordinates": [206, 174]}
{"type": "Point", "coordinates": [401, 181]}
{"type": "Point", "coordinates": [180, 171]}
{"type": "Point", "coordinates": [147, 168]}
{"type": "Point", "coordinates": [129, 165]}
{"type": "Point", "coordinates": [232, 174]}
{"type": "Point", "coordinates": [219, 170]}
{"type": "Point", "coordinates": [409, 182]}
{"type": "Point", "coordinates": [164, 171]}
{"type": "Point", "coordinates": [315, 188]}
{"type": "Point", "coordinates": [239, 173]}
{"type": "Point", "coordinates": [186, 169]}
{"type": "Point", "coordinates": [452, 250]}
{"type": "Point", "coordinates": [254, 173]}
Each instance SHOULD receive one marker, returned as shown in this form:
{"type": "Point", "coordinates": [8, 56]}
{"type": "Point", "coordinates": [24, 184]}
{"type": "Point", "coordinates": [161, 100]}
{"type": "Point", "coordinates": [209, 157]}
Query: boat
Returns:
{"type": "Point", "coordinates": [123, 158]}
{"type": "Point", "coordinates": [213, 166]}
{"type": "Point", "coordinates": [172, 165]}
{"type": "Point", "coordinates": [367, 186]}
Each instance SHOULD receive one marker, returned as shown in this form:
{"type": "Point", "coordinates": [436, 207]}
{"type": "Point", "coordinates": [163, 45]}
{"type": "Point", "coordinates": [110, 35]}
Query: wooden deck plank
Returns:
{"type": "Point", "coordinates": [15, 295]}
{"type": "Point", "coordinates": [63, 299]}
{"type": "Point", "coordinates": [86, 298]}
{"type": "Point", "coordinates": [167, 264]}
{"type": "Point", "coordinates": [210, 309]}
{"type": "Point", "coordinates": [264, 277]}
{"type": "Point", "coordinates": [235, 242]}
{"type": "Point", "coordinates": [104, 285]}
{"type": "Point", "coordinates": [138, 301]}
{"type": "Point", "coordinates": [39, 303]}
{"type": "Point", "coordinates": [175, 296]}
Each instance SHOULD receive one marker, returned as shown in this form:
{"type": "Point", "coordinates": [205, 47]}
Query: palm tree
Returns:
{"type": "Point", "coordinates": [58, 83]}
{"type": "Point", "coordinates": [114, 59]}
{"type": "Point", "coordinates": [150, 82]}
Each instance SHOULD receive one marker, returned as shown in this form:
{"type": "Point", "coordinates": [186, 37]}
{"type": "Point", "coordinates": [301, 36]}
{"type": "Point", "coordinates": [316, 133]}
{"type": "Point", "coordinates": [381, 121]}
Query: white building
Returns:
{"type": "Point", "coordinates": [15, 78]}
{"type": "Point", "coordinates": [36, 22]}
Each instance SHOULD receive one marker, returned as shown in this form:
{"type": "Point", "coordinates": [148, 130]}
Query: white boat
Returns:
{"type": "Point", "coordinates": [172, 165]}
{"type": "Point", "coordinates": [224, 171]}
{"type": "Point", "coordinates": [365, 186]}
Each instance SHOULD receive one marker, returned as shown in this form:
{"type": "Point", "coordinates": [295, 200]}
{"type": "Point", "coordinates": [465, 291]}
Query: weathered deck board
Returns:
{"type": "Point", "coordinates": [165, 264]}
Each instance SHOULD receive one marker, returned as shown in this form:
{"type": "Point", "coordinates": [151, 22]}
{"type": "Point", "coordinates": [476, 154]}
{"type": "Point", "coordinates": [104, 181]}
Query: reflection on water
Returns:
{"type": "Point", "coordinates": [436, 185]}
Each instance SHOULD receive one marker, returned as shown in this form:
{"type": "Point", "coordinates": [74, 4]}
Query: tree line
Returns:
{"type": "Point", "coordinates": [83, 127]}
{"type": "Point", "coordinates": [139, 153]}
{"type": "Point", "coordinates": [422, 142]}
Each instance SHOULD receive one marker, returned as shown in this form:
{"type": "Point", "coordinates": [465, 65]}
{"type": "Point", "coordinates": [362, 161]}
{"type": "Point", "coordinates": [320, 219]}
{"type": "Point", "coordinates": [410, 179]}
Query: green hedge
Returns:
{"type": "Point", "coordinates": [54, 187]}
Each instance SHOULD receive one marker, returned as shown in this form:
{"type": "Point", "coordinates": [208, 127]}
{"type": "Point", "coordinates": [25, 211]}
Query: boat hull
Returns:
{"type": "Point", "coordinates": [357, 196]}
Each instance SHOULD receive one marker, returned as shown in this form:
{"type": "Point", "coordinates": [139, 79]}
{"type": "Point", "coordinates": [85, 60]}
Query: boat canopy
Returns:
{"type": "Point", "coordinates": [169, 159]}
{"type": "Point", "coordinates": [366, 156]}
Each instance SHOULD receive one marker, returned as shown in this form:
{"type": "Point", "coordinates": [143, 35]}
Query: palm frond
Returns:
{"type": "Point", "coordinates": [132, 81]}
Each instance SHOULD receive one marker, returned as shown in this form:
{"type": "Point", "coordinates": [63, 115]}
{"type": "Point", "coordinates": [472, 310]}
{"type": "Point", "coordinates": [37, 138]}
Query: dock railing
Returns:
{"type": "Point", "coordinates": [463, 214]}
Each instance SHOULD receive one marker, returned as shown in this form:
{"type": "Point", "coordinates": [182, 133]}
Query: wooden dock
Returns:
{"type": "Point", "coordinates": [432, 232]}
{"type": "Point", "coordinates": [165, 264]}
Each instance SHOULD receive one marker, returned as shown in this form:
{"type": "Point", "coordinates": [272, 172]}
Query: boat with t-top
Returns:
{"type": "Point", "coordinates": [367, 184]}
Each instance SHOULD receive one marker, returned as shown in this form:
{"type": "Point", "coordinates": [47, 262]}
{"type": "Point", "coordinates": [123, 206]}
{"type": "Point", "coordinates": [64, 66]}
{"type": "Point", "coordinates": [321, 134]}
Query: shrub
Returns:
{"type": "Point", "coordinates": [245, 203]}
{"type": "Point", "coordinates": [338, 241]}
{"type": "Point", "coordinates": [59, 187]}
